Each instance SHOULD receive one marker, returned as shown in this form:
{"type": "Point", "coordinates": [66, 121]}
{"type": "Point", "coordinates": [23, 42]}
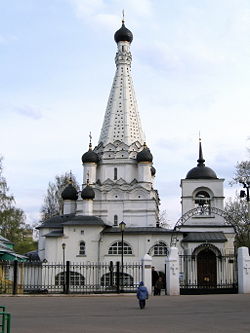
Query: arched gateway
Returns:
{"type": "Point", "coordinates": [204, 265]}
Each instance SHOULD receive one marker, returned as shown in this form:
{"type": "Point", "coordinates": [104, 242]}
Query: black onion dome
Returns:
{"type": "Point", "coordinates": [123, 35]}
{"type": "Point", "coordinates": [201, 171]}
{"type": "Point", "coordinates": [88, 192]}
{"type": "Point", "coordinates": [144, 155]}
{"type": "Point", "coordinates": [90, 156]}
{"type": "Point", "coordinates": [69, 193]}
{"type": "Point", "coordinates": [153, 171]}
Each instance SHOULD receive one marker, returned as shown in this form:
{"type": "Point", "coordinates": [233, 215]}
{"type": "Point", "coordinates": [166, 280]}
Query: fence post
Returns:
{"type": "Point", "coordinates": [147, 272]}
{"type": "Point", "coordinates": [67, 277]}
{"type": "Point", "coordinates": [15, 277]}
{"type": "Point", "coordinates": [243, 270]}
{"type": "Point", "coordinates": [172, 272]}
{"type": "Point", "coordinates": [111, 274]}
{"type": "Point", "coordinates": [118, 277]}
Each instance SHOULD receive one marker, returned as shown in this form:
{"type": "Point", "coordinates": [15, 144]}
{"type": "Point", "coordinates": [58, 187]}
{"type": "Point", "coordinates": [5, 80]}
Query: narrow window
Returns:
{"type": "Point", "coordinates": [115, 173]}
{"type": "Point", "coordinates": [82, 248]}
{"type": "Point", "coordinates": [115, 220]}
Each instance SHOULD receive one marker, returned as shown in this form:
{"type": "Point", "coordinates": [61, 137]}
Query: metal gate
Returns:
{"type": "Point", "coordinates": [208, 273]}
{"type": "Point", "coordinates": [82, 278]}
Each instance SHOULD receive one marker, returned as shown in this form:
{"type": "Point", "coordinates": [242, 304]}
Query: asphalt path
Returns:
{"type": "Point", "coordinates": [121, 313]}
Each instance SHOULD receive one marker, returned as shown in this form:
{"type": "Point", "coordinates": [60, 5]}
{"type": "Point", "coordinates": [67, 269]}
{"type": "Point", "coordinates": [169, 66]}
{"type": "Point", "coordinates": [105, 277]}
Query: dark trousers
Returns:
{"type": "Point", "coordinates": [157, 291]}
{"type": "Point", "coordinates": [142, 303]}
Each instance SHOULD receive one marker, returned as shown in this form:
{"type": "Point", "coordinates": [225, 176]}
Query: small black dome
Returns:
{"type": "Point", "coordinates": [123, 35]}
{"type": "Point", "coordinates": [153, 171]}
{"type": "Point", "coordinates": [90, 156]}
{"type": "Point", "coordinates": [201, 172]}
{"type": "Point", "coordinates": [88, 192]}
{"type": "Point", "coordinates": [144, 155]}
{"type": "Point", "coordinates": [69, 193]}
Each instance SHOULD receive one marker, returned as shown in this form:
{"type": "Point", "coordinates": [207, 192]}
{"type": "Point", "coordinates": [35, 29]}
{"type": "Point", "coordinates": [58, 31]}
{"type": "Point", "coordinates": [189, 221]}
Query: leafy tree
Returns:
{"type": "Point", "coordinates": [12, 219]}
{"type": "Point", "coordinates": [237, 209]}
{"type": "Point", "coordinates": [53, 203]}
{"type": "Point", "coordinates": [163, 221]}
{"type": "Point", "coordinates": [5, 200]}
{"type": "Point", "coordinates": [237, 213]}
{"type": "Point", "coordinates": [27, 243]}
{"type": "Point", "coordinates": [242, 172]}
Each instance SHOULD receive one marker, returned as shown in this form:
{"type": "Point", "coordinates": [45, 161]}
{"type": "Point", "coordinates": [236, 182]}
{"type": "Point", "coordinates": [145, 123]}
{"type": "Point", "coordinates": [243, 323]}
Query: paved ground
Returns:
{"type": "Point", "coordinates": [120, 314]}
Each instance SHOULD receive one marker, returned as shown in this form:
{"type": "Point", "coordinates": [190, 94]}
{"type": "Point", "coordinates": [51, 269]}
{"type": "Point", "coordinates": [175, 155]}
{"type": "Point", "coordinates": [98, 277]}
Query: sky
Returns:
{"type": "Point", "coordinates": [191, 72]}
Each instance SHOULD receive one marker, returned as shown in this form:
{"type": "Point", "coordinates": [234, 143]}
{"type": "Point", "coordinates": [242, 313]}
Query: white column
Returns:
{"type": "Point", "coordinates": [147, 272]}
{"type": "Point", "coordinates": [243, 270]}
{"type": "Point", "coordinates": [172, 272]}
{"type": "Point", "coordinates": [87, 205]}
{"type": "Point", "coordinates": [89, 172]}
{"type": "Point", "coordinates": [144, 172]}
{"type": "Point", "coordinates": [69, 207]}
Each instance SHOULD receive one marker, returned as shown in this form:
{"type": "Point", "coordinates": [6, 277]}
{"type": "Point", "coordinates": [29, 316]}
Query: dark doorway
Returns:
{"type": "Point", "coordinates": [206, 269]}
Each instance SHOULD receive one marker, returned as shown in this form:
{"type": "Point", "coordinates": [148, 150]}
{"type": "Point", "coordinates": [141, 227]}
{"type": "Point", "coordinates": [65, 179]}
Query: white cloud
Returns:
{"type": "Point", "coordinates": [109, 13]}
{"type": "Point", "coordinates": [86, 8]}
{"type": "Point", "coordinates": [107, 20]}
{"type": "Point", "coordinates": [2, 39]}
{"type": "Point", "coordinates": [28, 111]}
{"type": "Point", "coordinates": [142, 8]}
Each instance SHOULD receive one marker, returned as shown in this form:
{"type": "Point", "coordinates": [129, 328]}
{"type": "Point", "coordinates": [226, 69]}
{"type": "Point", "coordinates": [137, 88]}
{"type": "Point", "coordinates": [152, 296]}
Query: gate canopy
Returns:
{"type": "Point", "coordinates": [205, 237]}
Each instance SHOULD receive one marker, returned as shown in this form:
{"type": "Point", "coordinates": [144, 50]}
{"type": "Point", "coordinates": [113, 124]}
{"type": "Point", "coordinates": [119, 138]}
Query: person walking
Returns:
{"type": "Point", "coordinates": [155, 277]}
{"type": "Point", "coordinates": [158, 286]}
{"type": "Point", "coordinates": [142, 295]}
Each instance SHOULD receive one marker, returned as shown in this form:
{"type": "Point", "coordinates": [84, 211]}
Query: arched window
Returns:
{"type": "Point", "coordinates": [160, 249]}
{"type": "Point", "coordinates": [110, 279]}
{"type": "Point", "coordinates": [116, 248]}
{"type": "Point", "coordinates": [115, 173]}
{"type": "Point", "coordinates": [115, 220]}
{"type": "Point", "coordinates": [76, 279]}
{"type": "Point", "coordinates": [202, 201]}
{"type": "Point", "coordinates": [82, 248]}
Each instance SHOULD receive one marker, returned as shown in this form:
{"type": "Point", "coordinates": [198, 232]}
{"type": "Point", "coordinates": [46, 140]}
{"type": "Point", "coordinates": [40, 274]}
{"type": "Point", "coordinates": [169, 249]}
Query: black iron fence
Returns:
{"type": "Point", "coordinates": [82, 278]}
{"type": "Point", "coordinates": [208, 274]}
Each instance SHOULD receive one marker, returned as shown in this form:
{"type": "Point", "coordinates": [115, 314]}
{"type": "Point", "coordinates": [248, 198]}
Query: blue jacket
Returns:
{"type": "Point", "coordinates": [142, 292]}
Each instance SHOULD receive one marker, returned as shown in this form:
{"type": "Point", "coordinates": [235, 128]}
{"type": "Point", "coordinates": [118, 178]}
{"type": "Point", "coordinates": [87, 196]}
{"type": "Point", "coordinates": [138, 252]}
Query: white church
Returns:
{"type": "Point", "coordinates": [118, 185]}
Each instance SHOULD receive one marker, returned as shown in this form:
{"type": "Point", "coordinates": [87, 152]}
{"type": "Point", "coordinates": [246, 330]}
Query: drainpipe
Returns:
{"type": "Point", "coordinates": [99, 247]}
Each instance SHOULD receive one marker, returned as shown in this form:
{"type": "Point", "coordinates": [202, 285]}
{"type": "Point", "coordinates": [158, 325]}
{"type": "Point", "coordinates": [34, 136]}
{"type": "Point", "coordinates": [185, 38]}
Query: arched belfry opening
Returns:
{"type": "Point", "coordinates": [202, 200]}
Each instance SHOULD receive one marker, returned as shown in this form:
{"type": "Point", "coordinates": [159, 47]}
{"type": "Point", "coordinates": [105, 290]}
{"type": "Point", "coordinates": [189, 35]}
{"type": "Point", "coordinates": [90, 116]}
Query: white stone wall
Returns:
{"type": "Point", "coordinates": [126, 169]}
{"type": "Point", "coordinates": [140, 245]}
{"type": "Point", "coordinates": [41, 242]}
{"type": "Point", "coordinates": [144, 172]}
{"type": "Point", "coordinates": [73, 235]}
{"type": "Point", "coordinates": [243, 270]}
